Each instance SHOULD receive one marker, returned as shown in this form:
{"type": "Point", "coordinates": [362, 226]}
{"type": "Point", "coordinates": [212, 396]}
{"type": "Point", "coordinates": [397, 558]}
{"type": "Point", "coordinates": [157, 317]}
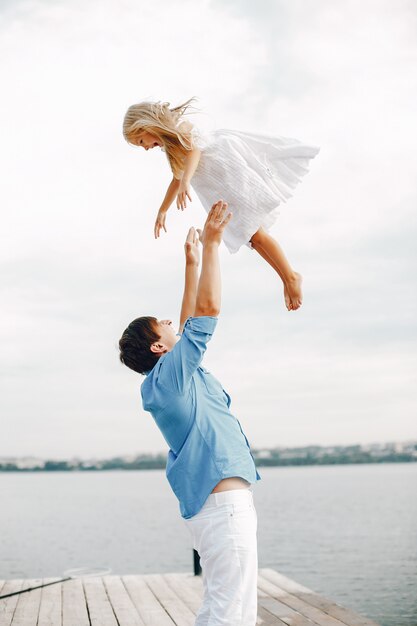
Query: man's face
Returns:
{"type": "Point", "coordinates": [167, 334]}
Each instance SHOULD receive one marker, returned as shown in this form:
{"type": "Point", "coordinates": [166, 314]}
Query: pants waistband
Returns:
{"type": "Point", "coordinates": [233, 495]}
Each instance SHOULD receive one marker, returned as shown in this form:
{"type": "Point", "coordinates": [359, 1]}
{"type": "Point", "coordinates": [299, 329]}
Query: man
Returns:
{"type": "Point", "coordinates": [210, 467]}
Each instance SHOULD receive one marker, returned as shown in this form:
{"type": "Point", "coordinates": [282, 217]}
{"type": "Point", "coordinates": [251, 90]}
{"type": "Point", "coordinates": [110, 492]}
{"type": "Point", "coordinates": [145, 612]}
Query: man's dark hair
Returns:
{"type": "Point", "coordinates": [135, 344]}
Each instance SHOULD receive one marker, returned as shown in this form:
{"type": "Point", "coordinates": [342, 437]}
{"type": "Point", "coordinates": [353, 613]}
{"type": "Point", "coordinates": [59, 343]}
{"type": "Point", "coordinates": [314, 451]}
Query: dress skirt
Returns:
{"type": "Point", "coordinates": [252, 173]}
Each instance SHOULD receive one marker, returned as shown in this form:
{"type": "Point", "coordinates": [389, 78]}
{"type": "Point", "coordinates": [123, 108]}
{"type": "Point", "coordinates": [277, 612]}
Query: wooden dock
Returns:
{"type": "Point", "coordinates": [160, 600]}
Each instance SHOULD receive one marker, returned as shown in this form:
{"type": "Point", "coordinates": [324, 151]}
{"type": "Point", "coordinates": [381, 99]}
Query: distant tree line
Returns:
{"type": "Point", "coordinates": [312, 455]}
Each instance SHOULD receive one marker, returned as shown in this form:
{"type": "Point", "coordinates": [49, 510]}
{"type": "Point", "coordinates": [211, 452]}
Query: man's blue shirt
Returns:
{"type": "Point", "coordinates": [191, 409]}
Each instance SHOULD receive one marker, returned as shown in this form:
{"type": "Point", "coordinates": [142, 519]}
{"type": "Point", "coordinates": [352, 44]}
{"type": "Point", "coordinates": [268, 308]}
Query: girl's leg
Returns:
{"type": "Point", "coordinates": [271, 251]}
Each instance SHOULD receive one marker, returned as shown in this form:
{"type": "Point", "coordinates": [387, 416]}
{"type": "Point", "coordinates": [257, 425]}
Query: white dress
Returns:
{"type": "Point", "coordinates": [252, 173]}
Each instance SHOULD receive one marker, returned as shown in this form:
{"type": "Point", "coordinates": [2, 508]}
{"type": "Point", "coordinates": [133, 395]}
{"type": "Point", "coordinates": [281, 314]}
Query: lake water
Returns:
{"type": "Point", "coordinates": [347, 532]}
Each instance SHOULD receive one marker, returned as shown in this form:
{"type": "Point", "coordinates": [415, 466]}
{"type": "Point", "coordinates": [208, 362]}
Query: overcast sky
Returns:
{"type": "Point", "coordinates": [78, 258]}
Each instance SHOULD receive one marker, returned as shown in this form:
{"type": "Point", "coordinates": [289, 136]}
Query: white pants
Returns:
{"type": "Point", "coordinates": [224, 535]}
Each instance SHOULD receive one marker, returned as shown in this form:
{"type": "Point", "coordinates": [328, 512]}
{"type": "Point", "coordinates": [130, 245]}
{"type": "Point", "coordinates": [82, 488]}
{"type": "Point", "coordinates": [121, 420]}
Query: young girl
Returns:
{"type": "Point", "coordinates": [253, 173]}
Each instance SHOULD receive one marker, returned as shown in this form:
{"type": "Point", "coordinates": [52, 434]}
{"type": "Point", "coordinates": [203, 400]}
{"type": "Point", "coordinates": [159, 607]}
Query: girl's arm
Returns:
{"type": "Point", "coordinates": [190, 165]}
{"type": "Point", "coordinates": [166, 203]}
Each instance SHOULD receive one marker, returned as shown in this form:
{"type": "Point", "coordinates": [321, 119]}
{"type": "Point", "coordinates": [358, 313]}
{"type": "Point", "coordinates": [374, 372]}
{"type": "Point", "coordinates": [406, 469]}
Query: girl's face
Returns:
{"type": "Point", "coordinates": [148, 141]}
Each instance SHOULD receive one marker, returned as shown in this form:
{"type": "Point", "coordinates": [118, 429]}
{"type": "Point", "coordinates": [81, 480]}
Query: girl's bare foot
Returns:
{"type": "Point", "coordinates": [287, 298]}
{"type": "Point", "coordinates": [292, 292]}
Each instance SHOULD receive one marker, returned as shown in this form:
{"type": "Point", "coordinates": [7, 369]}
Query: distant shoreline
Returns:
{"type": "Point", "coordinates": [159, 463]}
{"type": "Point", "coordinates": [358, 454]}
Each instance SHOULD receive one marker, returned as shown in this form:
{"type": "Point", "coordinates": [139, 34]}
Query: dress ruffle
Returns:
{"type": "Point", "coordinates": [253, 173]}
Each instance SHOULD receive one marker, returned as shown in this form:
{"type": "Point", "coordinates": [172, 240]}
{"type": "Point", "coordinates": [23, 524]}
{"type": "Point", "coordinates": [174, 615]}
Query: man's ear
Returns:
{"type": "Point", "coordinates": [158, 348]}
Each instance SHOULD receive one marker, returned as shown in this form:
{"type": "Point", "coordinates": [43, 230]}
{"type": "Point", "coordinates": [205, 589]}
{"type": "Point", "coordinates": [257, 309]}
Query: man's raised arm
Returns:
{"type": "Point", "coordinates": [208, 299]}
{"type": "Point", "coordinates": [202, 297]}
{"type": "Point", "coordinates": [192, 261]}
{"type": "Point", "coordinates": [199, 301]}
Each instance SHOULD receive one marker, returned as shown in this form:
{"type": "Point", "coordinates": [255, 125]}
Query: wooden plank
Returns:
{"type": "Point", "coordinates": [27, 609]}
{"type": "Point", "coordinates": [74, 606]}
{"type": "Point", "coordinates": [285, 613]}
{"type": "Point", "coordinates": [147, 605]}
{"type": "Point", "coordinates": [8, 605]}
{"type": "Point", "coordinates": [174, 606]}
{"type": "Point", "coordinates": [316, 615]}
{"type": "Point", "coordinates": [50, 612]}
{"type": "Point", "coordinates": [99, 608]}
{"type": "Point", "coordinates": [179, 583]}
{"type": "Point", "coordinates": [161, 600]}
{"type": "Point", "coordinates": [285, 583]}
{"type": "Point", "coordinates": [265, 617]}
{"type": "Point", "coordinates": [346, 616]}
{"type": "Point", "coordinates": [196, 584]}
{"type": "Point", "coordinates": [123, 606]}
{"type": "Point", "coordinates": [193, 585]}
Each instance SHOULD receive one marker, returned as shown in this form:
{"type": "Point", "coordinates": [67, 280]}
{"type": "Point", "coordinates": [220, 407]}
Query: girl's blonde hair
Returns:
{"type": "Point", "coordinates": [162, 121]}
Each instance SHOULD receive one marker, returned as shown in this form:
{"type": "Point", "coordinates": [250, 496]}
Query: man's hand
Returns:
{"type": "Point", "coordinates": [191, 247]}
{"type": "Point", "coordinates": [159, 223]}
{"type": "Point", "coordinates": [217, 220]}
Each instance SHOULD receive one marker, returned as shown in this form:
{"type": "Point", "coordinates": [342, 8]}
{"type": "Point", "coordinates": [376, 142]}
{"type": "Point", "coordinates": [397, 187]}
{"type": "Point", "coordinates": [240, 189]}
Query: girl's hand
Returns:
{"type": "Point", "coordinates": [159, 223]}
{"type": "Point", "coordinates": [183, 194]}
{"type": "Point", "coordinates": [191, 247]}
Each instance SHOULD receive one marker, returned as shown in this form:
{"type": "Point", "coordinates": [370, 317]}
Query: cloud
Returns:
{"type": "Point", "coordinates": [78, 259]}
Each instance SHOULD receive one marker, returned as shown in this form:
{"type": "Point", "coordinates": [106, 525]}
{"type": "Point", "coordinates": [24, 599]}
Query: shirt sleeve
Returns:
{"type": "Point", "coordinates": [181, 362]}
